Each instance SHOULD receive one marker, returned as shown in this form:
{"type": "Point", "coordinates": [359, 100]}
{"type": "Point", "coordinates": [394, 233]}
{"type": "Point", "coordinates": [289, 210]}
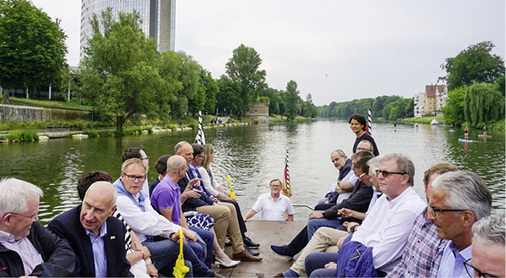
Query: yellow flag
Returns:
{"type": "Point", "coordinates": [180, 269]}
{"type": "Point", "coordinates": [231, 192]}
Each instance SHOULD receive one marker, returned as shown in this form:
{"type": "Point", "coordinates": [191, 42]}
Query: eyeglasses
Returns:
{"type": "Point", "coordinates": [32, 217]}
{"type": "Point", "coordinates": [435, 210]}
{"type": "Point", "coordinates": [145, 158]}
{"type": "Point", "coordinates": [276, 185]}
{"type": "Point", "coordinates": [363, 174]}
{"type": "Point", "coordinates": [363, 149]}
{"type": "Point", "coordinates": [201, 156]}
{"type": "Point", "coordinates": [470, 268]}
{"type": "Point", "coordinates": [386, 173]}
{"type": "Point", "coordinates": [133, 178]}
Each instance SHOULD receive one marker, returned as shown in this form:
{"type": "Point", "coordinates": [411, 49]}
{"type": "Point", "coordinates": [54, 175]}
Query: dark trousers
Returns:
{"type": "Point", "coordinates": [298, 242]}
{"type": "Point", "coordinates": [240, 219]}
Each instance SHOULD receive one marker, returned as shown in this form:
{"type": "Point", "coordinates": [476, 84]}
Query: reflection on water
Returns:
{"type": "Point", "coordinates": [252, 156]}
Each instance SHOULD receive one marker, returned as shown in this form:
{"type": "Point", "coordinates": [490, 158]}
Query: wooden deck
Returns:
{"type": "Point", "coordinates": [265, 233]}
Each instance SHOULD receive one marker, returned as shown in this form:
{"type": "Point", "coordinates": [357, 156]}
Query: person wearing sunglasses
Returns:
{"type": "Point", "coordinates": [26, 247]}
{"type": "Point", "coordinates": [458, 199]}
{"type": "Point", "coordinates": [488, 253]}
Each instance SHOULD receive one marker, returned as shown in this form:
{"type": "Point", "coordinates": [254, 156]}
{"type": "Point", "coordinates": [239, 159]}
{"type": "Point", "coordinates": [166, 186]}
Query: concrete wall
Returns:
{"type": "Point", "coordinates": [19, 113]}
{"type": "Point", "coordinates": [258, 111]}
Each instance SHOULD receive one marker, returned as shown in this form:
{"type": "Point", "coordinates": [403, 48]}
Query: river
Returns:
{"type": "Point", "coordinates": [252, 156]}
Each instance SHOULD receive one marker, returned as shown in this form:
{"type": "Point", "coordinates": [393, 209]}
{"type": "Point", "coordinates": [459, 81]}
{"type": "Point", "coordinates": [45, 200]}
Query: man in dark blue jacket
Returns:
{"type": "Point", "coordinates": [26, 247]}
{"type": "Point", "coordinates": [97, 238]}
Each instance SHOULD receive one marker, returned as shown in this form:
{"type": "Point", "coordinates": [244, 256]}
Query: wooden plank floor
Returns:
{"type": "Point", "coordinates": [265, 233]}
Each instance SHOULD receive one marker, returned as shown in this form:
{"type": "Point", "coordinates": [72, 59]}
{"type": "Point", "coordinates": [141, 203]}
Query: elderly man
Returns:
{"type": "Point", "coordinates": [224, 214]}
{"type": "Point", "coordinates": [345, 181]}
{"type": "Point", "coordinates": [457, 201]}
{"type": "Point", "coordinates": [26, 247]}
{"type": "Point", "coordinates": [386, 228]}
{"type": "Point", "coordinates": [365, 145]}
{"type": "Point", "coordinates": [358, 201]}
{"type": "Point", "coordinates": [98, 240]}
{"type": "Point", "coordinates": [273, 205]}
{"type": "Point", "coordinates": [424, 249]}
{"type": "Point", "coordinates": [136, 209]}
{"type": "Point", "coordinates": [488, 251]}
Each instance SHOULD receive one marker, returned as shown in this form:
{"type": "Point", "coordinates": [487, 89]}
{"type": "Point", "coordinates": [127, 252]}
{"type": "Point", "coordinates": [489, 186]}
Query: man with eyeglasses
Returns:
{"type": "Point", "coordinates": [273, 205]}
{"type": "Point", "coordinates": [424, 249]}
{"type": "Point", "coordinates": [365, 145]}
{"type": "Point", "coordinates": [136, 209]}
{"type": "Point", "coordinates": [26, 247]}
{"type": "Point", "coordinates": [488, 253]}
{"type": "Point", "coordinates": [387, 226]}
{"type": "Point", "coordinates": [97, 238]}
{"type": "Point", "coordinates": [457, 201]}
{"type": "Point", "coordinates": [138, 152]}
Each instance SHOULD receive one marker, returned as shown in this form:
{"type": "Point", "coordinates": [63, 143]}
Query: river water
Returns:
{"type": "Point", "coordinates": [252, 156]}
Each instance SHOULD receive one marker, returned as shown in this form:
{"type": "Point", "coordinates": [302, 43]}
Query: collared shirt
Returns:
{"type": "Point", "coordinates": [353, 179]}
{"type": "Point", "coordinates": [167, 195]}
{"type": "Point", "coordinates": [273, 210]}
{"type": "Point", "coordinates": [423, 252]}
{"type": "Point", "coordinates": [374, 198]}
{"type": "Point", "coordinates": [387, 227]}
{"type": "Point", "coordinates": [144, 223]}
{"type": "Point", "coordinates": [452, 263]}
{"type": "Point", "coordinates": [25, 249]}
{"type": "Point", "coordinates": [98, 246]}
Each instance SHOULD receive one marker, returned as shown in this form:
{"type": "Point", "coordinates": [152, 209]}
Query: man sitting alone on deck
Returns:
{"type": "Point", "coordinates": [273, 205]}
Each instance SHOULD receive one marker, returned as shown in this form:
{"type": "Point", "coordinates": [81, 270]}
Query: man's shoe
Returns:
{"type": "Point", "coordinates": [246, 256]}
{"type": "Point", "coordinates": [252, 252]}
{"type": "Point", "coordinates": [280, 250]}
{"type": "Point", "coordinates": [250, 243]}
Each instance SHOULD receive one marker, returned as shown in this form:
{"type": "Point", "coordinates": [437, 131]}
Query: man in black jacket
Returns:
{"type": "Point", "coordinates": [97, 239]}
{"type": "Point", "coordinates": [26, 247]}
{"type": "Point", "coordinates": [358, 201]}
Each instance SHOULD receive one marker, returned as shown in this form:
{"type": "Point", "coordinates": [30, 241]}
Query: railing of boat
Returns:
{"type": "Point", "coordinates": [303, 205]}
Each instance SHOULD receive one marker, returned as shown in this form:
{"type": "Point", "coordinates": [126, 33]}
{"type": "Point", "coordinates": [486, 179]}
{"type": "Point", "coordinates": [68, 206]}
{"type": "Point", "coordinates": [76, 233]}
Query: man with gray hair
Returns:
{"type": "Point", "coordinates": [488, 250]}
{"type": "Point", "coordinates": [458, 199]}
{"type": "Point", "coordinates": [26, 247]}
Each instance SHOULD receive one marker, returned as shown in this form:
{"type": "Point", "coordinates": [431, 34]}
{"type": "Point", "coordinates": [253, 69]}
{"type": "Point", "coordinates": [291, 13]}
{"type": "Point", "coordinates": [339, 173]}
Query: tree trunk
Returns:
{"type": "Point", "coordinates": [6, 92]}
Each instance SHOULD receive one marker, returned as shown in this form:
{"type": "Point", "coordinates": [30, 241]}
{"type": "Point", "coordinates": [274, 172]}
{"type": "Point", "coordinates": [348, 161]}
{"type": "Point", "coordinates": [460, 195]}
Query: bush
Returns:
{"type": "Point", "coordinates": [25, 135]}
{"type": "Point", "coordinates": [193, 125]}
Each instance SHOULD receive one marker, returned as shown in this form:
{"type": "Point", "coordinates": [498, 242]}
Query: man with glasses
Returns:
{"type": "Point", "coordinates": [365, 145]}
{"type": "Point", "coordinates": [488, 253]}
{"type": "Point", "coordinates": [97, 238]}
{"type": "Point", "coordinates": [424, 249]}
{"type": "Point", "coordinates": [457, 201]}
{"type": "Point", "coordinates": [273, 205]}
{"type": "Point", "coordinates": [26, 247]}
{"type": "Point", "coordinates": [138, 152]}
{"type": "Point", "coordinates": [387, 226]}
{"type": "Point", "coordinates": [136, 209]}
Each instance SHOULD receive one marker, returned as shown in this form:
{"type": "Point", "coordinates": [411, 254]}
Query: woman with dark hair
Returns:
{"type": "Point", "coordinates": [212, 186]}
{"type": "Point", "coordinates": [357, 124]}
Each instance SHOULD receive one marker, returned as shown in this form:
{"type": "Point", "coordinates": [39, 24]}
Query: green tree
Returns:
{"type": "Point", "coordinates": [243, 70]}
{"type": "Point", "coordinates": [190, 76]}
{"type": "Point", "coordinates": [32, 47]}
{"type": "Point", "coordinates": [168, 65]}
{"type": "Point", "coordinates": [210, 88]}
{"type": "Point", "coordinates": [119, 73]}
{"type": "Point", "coordinates": [227, 98]}
{"type": "Point", "coordinates": [310, 110]}
{"type": "Point", "coordinates": [292, 100]}
{"type": "Point", "coordinates": [475, 64]}
{"type": "Point", "coordinates": [483, 104]}
{"type": "Point", "coordinates": [453, 111]}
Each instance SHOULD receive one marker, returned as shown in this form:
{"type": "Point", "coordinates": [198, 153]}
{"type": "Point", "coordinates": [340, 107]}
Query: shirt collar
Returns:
{"type": "Point", "coordinates": [6, 237]}
{"type": "Point", "coordinates": [466, 252]}
{"type": "Point", "coordinates": [103, 231]}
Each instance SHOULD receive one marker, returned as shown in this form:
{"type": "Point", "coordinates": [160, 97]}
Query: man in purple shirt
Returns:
{"type": "Point", "coordinates": [166, 199]}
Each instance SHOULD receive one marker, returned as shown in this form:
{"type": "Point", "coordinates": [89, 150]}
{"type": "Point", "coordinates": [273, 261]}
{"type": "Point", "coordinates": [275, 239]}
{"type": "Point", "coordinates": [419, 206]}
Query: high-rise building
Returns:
{"type": "Point", "coordinates": [158, 19]}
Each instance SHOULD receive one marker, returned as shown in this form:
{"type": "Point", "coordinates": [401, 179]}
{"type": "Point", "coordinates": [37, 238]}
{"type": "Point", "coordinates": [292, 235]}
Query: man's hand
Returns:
{"type": "Point", "coordinates": [152, 271]}
{"type": "Point", "coordinates": [331, 265]}
{"type": "Point", "coordinates": [316, 214]}
{"type": "Point", "coordinates": [345, 212]}
{"type": "Point", "coordinates": [340, 242]}
{"type": "Point", "coordinates": [189, 234]}
{"type": "Point", "coordinates": [194, 182]}
{"type": "Point", "coordinates": [214, 199]}
{"type": "Point", "coordinates": [190, 193]}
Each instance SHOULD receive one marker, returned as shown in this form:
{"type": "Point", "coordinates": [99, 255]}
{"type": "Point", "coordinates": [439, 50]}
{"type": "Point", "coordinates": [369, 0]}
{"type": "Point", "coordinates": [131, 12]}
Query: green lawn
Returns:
{"type": "Point", "coordinates": [48, 103]}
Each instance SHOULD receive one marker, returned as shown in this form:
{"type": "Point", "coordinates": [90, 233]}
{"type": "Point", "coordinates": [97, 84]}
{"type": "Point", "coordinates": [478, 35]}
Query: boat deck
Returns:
{"type": "Point", "coordinates": [265, 233]}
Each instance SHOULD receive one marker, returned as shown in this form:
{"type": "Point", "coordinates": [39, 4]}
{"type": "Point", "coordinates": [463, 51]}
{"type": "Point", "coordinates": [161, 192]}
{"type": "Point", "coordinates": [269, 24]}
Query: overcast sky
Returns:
{"type": "Point", "coordinates": [335, 50]}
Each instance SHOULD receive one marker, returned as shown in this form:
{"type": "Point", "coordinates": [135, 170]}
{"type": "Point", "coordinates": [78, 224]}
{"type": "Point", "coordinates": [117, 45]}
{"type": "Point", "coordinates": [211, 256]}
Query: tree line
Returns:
{"type": "Point", "coordinates": [124, 77]}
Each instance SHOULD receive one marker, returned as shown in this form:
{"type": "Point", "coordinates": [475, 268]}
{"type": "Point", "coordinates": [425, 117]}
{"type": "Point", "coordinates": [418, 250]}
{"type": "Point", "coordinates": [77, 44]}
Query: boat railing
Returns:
{"type": "Point", "coordinates": [303, 205]}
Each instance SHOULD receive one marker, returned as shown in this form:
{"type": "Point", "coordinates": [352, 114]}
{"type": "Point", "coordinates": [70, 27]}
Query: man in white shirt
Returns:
{"type": "Point", "coordinates": [387, 226]}
{"type": "Point", "coordinates": [457, 201]}
{"type": "Point", "coordinates": [273, 205]}
{"type": "Point", "coordinates": [26, 247]}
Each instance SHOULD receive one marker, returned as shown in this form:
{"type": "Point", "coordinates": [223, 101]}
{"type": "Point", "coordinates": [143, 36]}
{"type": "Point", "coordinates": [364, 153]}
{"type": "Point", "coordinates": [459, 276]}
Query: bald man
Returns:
{"type": "Point", "coordinates": [97, 239]}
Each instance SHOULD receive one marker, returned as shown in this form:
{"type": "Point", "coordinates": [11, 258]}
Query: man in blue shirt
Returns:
{"type": "Point", "coordinates": [458, 199]}
{"type": "Point", "coordinates": [97, 239]}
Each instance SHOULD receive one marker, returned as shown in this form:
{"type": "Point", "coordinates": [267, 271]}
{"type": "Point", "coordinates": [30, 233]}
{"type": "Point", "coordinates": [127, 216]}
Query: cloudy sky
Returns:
{"type": "Point", "coordinates": [335, 50]}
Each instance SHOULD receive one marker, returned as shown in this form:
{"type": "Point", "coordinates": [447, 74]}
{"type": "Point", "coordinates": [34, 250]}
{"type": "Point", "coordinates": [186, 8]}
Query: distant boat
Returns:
{"type": "Point", "coordinates": [452, 130]}
{"type": "Point", "coordinates": [434, 122]}
{"type": "Point", "coordinates": [465, 140]}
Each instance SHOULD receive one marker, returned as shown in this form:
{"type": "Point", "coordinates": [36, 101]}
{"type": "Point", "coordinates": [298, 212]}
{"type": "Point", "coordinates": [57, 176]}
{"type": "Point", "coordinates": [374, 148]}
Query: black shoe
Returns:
{"type": "Point", "coordinates": [252, 252]}
{"type": "Point", "coordinates": [280, 250]}
{"type": "Point", "coordinates": [250, 243]}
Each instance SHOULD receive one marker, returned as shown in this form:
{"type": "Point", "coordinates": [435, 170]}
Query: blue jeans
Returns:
{"type": "Point", "coordinates": [205, 243]}
{"type": "Point", "coordinates": [315, 264]}
{"type": "Point", "coordinates": [165, 252]}
{"type": "Point", "coordinates": [315, 223]}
